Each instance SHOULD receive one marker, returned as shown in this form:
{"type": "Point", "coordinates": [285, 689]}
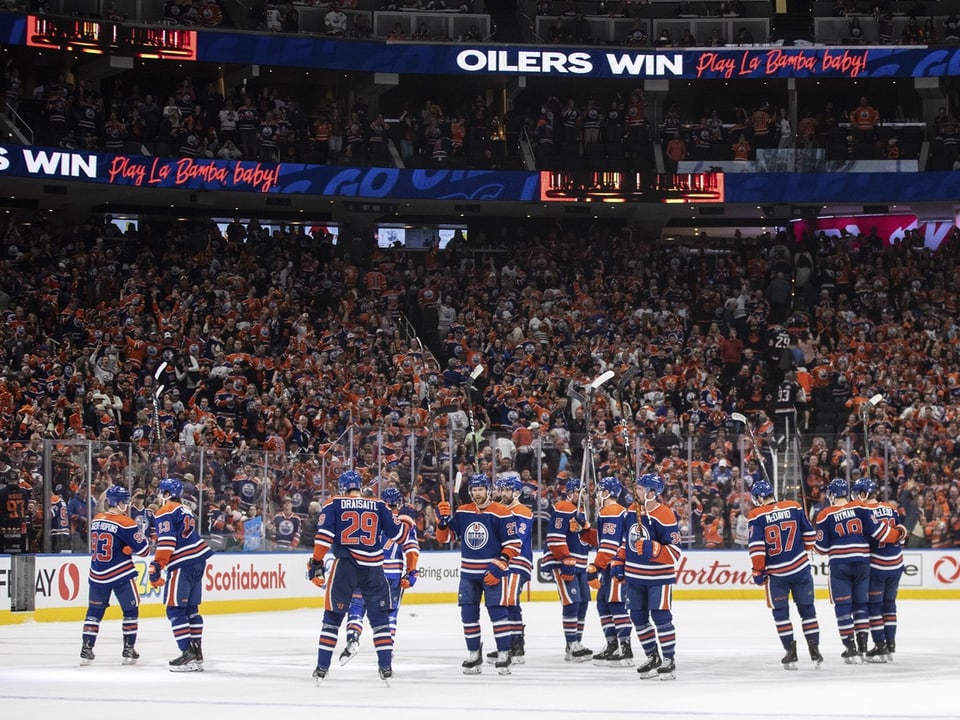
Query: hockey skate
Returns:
{"type": "Point", "coordinates": [187, 662]}
{"type": "Point", "coordinates": [602, 658]}
{"type": "Point", "coordinates": [473, 665]}
{"type": "Point", "coordinates": [815, 655]}
{"type": "Point", "coordinates": [789, 660]}
{"type": "Point", "coordinates": [850, 654]}
{"type": "Point", "coordinates": [197, 651]}
{"type": "Point", "coordinates": [351, 650]}
{"type": "Point", "coordinates": [667, 670]}
{"type": "Point", "coordinates": [878, 654]}
{"type": "Point", "coordinates": [622, 656]}
{"type": "Point", "coordinates": [891, 649]}
{"type": "Point", "coordinates": [385, 675]}
{"type": "Point", "coordinates": [577, 653]}
{"type": "Point", "coordinates": [130, 655]}
{"type": "Point", "coordinates": [86, 654]}
{"type": "Point", "coordinates": [503, 662]}
{"type": "Point", "coordinates": [517, 653]}
{"type": "Point", "coordinates": [649, 668]}
{"type": "Point", "coordinates": [319, 674]}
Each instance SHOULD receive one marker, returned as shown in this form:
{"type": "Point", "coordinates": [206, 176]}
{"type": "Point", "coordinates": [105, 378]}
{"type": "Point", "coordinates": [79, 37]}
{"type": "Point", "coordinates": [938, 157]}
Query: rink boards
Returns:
{"type": "Point", "coordinates": [243, 582]}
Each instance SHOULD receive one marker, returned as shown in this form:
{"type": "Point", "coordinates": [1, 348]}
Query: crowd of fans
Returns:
{"type": "Point", "coordinates": [288, 361]}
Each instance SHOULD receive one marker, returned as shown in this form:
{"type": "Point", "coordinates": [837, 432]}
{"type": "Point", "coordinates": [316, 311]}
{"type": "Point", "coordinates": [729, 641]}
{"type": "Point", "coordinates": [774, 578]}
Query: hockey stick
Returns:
{"type": "Point", "coordinates": [583, 497]}
{"type": "Point", "coordinates": [741, 418]}
{"type": "Point", "coordinates": [474, 374]}
{"type": "Point", "coordinates": [157, 392]}
{"type": "Point", "coordinates": [623, 382]}
{"type": "Point", "coordinates": [865, 409]}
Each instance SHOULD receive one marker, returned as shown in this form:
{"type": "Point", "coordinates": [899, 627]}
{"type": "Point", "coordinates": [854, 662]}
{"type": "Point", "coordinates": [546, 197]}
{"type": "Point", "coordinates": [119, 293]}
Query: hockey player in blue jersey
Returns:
{"type": "Point", "coordinates": [780, 534]}
{"type": "Point", "coordinates": [507, 491]}
{"type": "Point", "coordinates": [568, 542]}
{"type": "Point", "coordinates": [354, 529]}
{"type": "Point", "coordinates": [182, 553]}
{"type": "Point", "coordinates": [845, 529]}
{"type": "Point", "coordinates": [400, 561]}
{"type": "Point", "coordinates": [605, 576]}
{"type": "Point", "coordinates": [488, 543]}
{"type": "Point", "coordinates": [114, 539]}
{"type": "Point", "coordinates": [886, 567]}
{"type": "Point", "coordinates": [650, 556]}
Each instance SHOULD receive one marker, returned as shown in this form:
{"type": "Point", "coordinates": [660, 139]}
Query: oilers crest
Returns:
{"type": "Point", "coordinates": [476, 536]}
{"type": "Point", "coordinates": [637, 532]}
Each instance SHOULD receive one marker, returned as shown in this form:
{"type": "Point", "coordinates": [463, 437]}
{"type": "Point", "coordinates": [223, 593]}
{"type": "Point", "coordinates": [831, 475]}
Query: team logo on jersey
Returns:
{"type": "Point", "coordinates": [637, 532]}
{"type": "Point", "coordinates": [476, 535]}
{"type": "Point", "coordinates": [285, 527]}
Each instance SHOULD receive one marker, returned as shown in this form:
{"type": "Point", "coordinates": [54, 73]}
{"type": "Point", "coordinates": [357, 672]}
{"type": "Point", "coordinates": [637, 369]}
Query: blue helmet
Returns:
{"type": "Point", "coordinates": [651, 481]}
{"type": "Point", "coordinates": [116, 495]}
{"type": "Point", "coordinates": [349, 480]}
{"type": "Point", "coordinates": [171, 486]}
{"type": "Point", "coordinates": [572, 486]}
{"type": "Point", "coordinates": [510, 482]}
{"type": "Point", "coordinates": [761, 488]}
{"type": "Point", "coordinates": [611, 485]}
{"type": "Point", "coordinates": [478, 480]}
{"type": "Point", "coordinates": [391, 496]}
{"type": "Point", "coordinates": [838, 488]}
{"type": "Point", "coordinates": [865, 485]}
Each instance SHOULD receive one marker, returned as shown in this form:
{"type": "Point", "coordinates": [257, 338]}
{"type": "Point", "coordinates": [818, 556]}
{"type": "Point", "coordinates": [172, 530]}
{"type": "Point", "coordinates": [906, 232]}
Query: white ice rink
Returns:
{"type": "Point", "coordinates": [259, 665]}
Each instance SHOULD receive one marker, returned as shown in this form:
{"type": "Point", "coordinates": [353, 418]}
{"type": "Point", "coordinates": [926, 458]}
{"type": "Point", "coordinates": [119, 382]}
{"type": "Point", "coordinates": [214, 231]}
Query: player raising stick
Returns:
{"type": "Point", "coordinates": [780, 534]}
{"type": "Point", "coordinates": [114, 537]}
{"type": "Point", "coordinates": [605, 575]}
{"type": "Point", "coordinates": [651, 553]}
{"type": "Point", "coordinates": [488, 542]}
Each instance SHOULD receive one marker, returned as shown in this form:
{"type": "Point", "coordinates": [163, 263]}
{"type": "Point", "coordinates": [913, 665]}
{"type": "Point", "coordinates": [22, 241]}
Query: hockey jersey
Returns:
{"type": "Point", "coordinates": [780, 534]}
{"type": "Point", "coordinates": [178, 539]}
{"type": "Point", "coordinates": [402, 555]}
{"type": "Point", "coordinates": [659, 526]}
{"type": "Point", "coordinates": [522, 562]}
{"type": "Point", "coordinates": [357, 528]}
{"type": "Point", "coordinates": [485, 534]}
{"type": "Point", "coordinates": [885, 555]}
{"type": "Point", "coordinates": [565, 538]}
{"type": "Point", "coordinates": [611, 530]}
{"type": "Point", "coordinates": [844, 532]}
{"type": "Point", "coordinates": [113, 540]}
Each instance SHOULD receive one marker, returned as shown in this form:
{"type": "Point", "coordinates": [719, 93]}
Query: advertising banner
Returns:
{"type": "Point", "coordinates": [249, 582]}
{"type": "Point", "coordinates": [891, 228]}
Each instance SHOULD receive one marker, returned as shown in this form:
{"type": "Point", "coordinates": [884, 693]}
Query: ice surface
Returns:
{"type": "Point", "coordinates": [259, 665]}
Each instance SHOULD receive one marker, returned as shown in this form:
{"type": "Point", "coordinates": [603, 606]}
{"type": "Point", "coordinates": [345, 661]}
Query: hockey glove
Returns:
{"type": "Point", "coordinates": [409, 580]}
{"type": "Point", "coordinates": [444, 514]}
{"type": "Point", "coordinates": [569, 569]}
{"type": "Point", "coordinates": [593, 576]}
{"type": "Point", "coordinates": [156, 580]}
{"type": "Point", "coordinates": [759, 577]}
{"type": "Point", "coordinates": [902, 533]}
{"type": "Point", "coordinates": [648, 549]}
{"type": "Point", "coordinates": [616, 570]}
{"type": "Point", "coordinates": [495, 570]}
{"type": "Point", "coordinates": [315, 572]}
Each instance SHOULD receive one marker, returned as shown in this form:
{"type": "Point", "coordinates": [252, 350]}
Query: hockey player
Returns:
{"type": "Point", "coordinates": [507, 491]}
{"type": "Point", "coordinates": [114, 538]}
{"type": "Point", "coordinates": [182, 553]}
{"type": "Point", "coordinates": [780, 534]}
{"type": "Point", "coordinates": [489, 542]}
{"type": "Point", "coordinates": [886, 567]}
{"type": "Point", "coordinates": [605, 575]}
{"type": "Point", "coordinates": [568, 541]}
{"type": "Point", "coordinates": [650, 555]}
{"type": "Point", "coordinates": [399, 567]}
{"type": "Point", "coordinates": [845, 529]}
{"type": "Point", "coordinates": [354, 530]}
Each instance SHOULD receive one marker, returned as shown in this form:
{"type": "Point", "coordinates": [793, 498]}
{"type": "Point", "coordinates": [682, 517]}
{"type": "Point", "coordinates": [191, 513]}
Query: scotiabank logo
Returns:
{"type": "Point", "coordinates": [250, 577]}
{"type": "Point", "coordinates": [947, 570]}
